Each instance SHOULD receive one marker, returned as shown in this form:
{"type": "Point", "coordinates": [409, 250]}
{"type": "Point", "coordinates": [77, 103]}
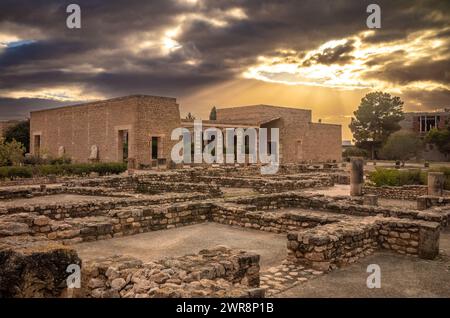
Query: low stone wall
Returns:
{"type": "Point", "coordinates": [113, 223]}
{"type": "Point", "coordinates": [336, 244]}
{"type": "Point", "coordinates": [278, 222]}
{"type": "Point", "coordinates": [9, 193]}
{"type": "Point", "coordinates": [37, 180]}
{"type": "Point", "coordinates": [427, 201]}
{"type": "Point", "coordinates": [155, 187]}
{"type": "Point", "coordinates": [343, 205]}
{"type": "Point", "coordinates": [218, 272]}
{"type": "Point", "coordinates": [150, 184]}
{"type": "Point", "coordinates": [36, 267]}
{"type": "Point", "coordinates": [96, 206]}
{"type": "Point", "coordinates": [87, 222]}
{"type": "Point", "coordinates": [407, 192]}
{"type": "Point", "coordinates": [331, 245]}
{"type": "Point", "coordinates": [267, 185]}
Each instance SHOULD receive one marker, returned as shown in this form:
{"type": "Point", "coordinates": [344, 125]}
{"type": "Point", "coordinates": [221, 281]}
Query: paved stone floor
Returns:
{"type": "Point", "coordinates": [336, 190]}
{"type": "Point", "coordinates": [284, 276]}
{"type": "Point", "coordinates": [190, 239]}
{"type": "Point", "coordinates": [400, 277]}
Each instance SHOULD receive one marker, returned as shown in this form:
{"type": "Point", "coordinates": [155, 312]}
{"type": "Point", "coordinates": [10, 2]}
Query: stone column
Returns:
{"type": "Point", "coordinates": [356, 176]}
{"type": "Point", "coordinates": [429, 233]}
{"type": "Point", "coordinates": [436, 183]}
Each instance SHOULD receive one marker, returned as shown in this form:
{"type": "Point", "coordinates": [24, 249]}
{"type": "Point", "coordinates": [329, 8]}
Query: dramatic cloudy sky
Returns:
{"type": "Point", "coordinates": [308, 54]}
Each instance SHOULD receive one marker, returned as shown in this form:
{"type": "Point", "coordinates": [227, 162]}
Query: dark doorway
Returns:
{"type": "Point", "coordinates": [37, 145]}
{"type": "Point", "coordinates": [122, 146]}
{"type": "Point", "coordinates": [155, 147]}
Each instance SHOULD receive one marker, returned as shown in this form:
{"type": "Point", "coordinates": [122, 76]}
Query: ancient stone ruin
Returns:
{"type": "Point", "coordinates": [43, 226]}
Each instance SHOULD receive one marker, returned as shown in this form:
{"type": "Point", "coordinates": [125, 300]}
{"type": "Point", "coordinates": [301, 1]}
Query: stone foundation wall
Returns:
{"type": "Point", "coordinates": [343, 205]}
{"type": "Point", "coordinates": [36, 267]}
{"type": "Point", "coordinates": [332, 245]}
{"type": "Point", "coordinates": [152, 187]}
{"type": "Point", "coordinates": [218, 272]}
{"type": "Point", "coordinates": [278, 222]}
{"type": "Point", "coordinates": [407, 192]}
{"type": "Point", "coordinates": [9, 193]}
{"type": "Point", "coordinates": [267, 185]}
{"type": "Point", "coordinates": [107, 224]}
{"type": "Point", "coordinates": [427, 201]}
{"type": "Point", "coordinates": [97, 207]}
{"type": "Point", "coordinates": [149, 184]}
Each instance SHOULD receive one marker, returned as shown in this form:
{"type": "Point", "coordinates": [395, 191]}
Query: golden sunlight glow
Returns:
{"type": "Point", "coordinates": [63, 94]}
{"type": "Point", "coordinates": [291, 69]}
{"type": "Point", "coordinates": [5, 39]}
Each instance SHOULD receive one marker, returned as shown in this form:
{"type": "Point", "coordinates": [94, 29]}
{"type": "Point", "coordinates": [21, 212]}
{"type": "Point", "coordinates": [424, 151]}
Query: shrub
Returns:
{"type": "Point", "coordinates": [15, 172]}
{"type": "Point", "coordinates": [19, 132]}
{"type": "Point", "coordinates": [11, 153]}
{"type": "Point", "coordinates": [33, 160]}
{"type": "Point", "coordinates": [62, 169]}
{"type": "Point", "coordinates": [60, 161]}
{"type": "Point", "coordinates": [401, 146]}
{"type": "Point", "coordinates": [441, 138]}
{"type": "Point", "coordinates": [355, 152]}
{"type": "Point", "coordinates": [394, 177]}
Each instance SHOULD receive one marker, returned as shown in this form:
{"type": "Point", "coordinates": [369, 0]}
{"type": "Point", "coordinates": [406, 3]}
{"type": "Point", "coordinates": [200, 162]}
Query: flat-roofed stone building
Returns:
{"type": "Point", "coordinates": [301, 140]}
{"type": "Point", "coordinates": [98, 131]}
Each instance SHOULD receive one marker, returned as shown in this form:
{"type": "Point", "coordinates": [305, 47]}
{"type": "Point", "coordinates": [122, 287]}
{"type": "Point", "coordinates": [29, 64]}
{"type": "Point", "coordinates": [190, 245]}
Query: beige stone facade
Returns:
{"type": "Point", "coordinates": [300, 139]}
{"type": "Point", "coordinates": [96, 131]}
{"type": "Point", "coordinates": [76, 130]}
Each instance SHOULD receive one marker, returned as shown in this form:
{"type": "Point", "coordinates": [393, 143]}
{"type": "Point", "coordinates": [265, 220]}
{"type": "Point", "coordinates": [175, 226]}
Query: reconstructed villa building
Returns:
{"type": "Point", "coordinates": [140, 127]}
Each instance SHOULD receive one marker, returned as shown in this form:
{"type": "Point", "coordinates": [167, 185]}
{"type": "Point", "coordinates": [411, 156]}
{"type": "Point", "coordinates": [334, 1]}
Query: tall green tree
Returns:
{"type": "Point", "coordinates": [441, 138]}
{"type": "Point", "coordinates": [11, 153]}
{"type": "Point", "coordinates": [402, 145]}
{"type": "Point", "coordinates": [213, 113]}
{"type": "Point", "coordinates": [19, 132]}
{"type": "Point", "coordinates": [377, 116]}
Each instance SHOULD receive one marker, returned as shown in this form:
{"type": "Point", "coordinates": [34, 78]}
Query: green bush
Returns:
{"type": "Point", "coordinates": [60, 160]}
{"type": "Point", "coordinates": [33, 160]}
{"type": "Point", "coordinates": [394, 177]}
{"type": "Point", "coordinates": [355, 152]}
{"type": "Point", "coordinates": [15, 172]}
{"type": "Point", "coordinates": [62, 169]}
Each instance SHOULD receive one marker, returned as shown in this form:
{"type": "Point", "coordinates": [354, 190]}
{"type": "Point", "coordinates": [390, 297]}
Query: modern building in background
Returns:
{"type": "Point", "coordinates": [421, 123]}
{"type": "Point", "coordinates": [140, 127]}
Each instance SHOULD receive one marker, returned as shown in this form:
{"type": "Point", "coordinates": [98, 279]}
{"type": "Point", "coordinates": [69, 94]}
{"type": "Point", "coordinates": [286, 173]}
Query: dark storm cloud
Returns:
{"type": "Point", "coordinates": [427, 100]}
{"type": "Point", "coordinates": [112, 29]}
{"type": "Point", "coordinates": [338, 54]}
{"type": "Point", "coordinates": [19, 108]}
{"type": "Point", "coordinates": [422, 70]}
